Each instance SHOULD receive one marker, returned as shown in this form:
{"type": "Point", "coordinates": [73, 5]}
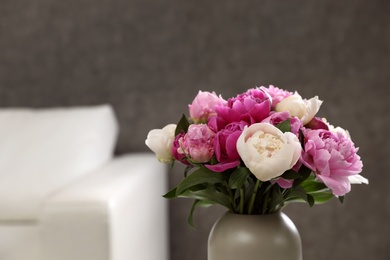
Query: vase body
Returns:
{"type": "Point", "coordinates": [254, 237]}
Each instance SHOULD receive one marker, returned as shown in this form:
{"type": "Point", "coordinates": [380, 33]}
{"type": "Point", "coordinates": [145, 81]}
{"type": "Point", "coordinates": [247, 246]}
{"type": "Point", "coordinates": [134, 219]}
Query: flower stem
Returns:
{"type": "Point", "coordinates": [253, 197]}
{"type": "Point", "coordinates": [265, 202]}
{"type": "Point", "coordinates": [242, 200]}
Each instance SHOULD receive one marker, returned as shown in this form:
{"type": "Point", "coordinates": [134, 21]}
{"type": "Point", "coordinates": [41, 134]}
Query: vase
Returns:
{"type": "Point", "coordinates": [254, 237]}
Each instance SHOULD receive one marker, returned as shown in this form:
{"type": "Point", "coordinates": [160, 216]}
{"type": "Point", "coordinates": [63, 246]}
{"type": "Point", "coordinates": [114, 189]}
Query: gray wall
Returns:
{"type": "Point", "coordinates": [149, 59]}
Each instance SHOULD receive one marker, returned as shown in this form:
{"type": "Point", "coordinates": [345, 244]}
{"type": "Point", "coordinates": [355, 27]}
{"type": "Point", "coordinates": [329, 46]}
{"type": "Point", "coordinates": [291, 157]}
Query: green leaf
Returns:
{"type": "Point", "coordinates": [310, 199]}
{"type": "Point", "coordinates": [197, 203]}
{"type": "Point", "coordinates": [284, 126]}
{"type": "Point", "coordinates": [322, 197]}
{"type": "Point", "coordinates": [236, 198]}
{"type": "Point", "coordinates": [186, 170]}
{"type": "Point", "coordinates": [200, 176]}
{"type": "Point", "coordinates": [291, 175]}
{"type": "Point", "coordinates": [182, 125]}
{"type": "Point", "coordinates": [249, 187]}
{"type": "Point", "coordinates": [276, 198]}
{"type": "Point", "coordinates": [171, 194]}
{"type": "Point", "coordinates": [312, 186]}
{"type": "Point", "coordinates": [210, 195]}
{"type": "Point", "coordinates": [305, 173]}
{"type": "Point", "coordinates": [341, 199]}
{"type": "Point", "coordinates": [238, 177]}
{"type": "Point", "coordinates": [298, 194]}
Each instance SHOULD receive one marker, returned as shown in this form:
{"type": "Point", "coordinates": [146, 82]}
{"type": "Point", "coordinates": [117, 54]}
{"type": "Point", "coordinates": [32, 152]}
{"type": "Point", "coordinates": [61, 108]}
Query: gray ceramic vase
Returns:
{"type": "Point", "coordinates": [254, 237]}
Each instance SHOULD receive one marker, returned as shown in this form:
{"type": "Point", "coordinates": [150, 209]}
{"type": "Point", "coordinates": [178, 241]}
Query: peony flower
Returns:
{"type": "Point", "coordinates": [197, 143]}
{"type": "Point", "coordinates": [301, 108]}
{"type": "Point", "coordinates": [285, 184]}
{"type": "Point", "coordinates": [225, 147]}
{"type": "Point", "coordinates": [203, 106]}
{"type": "Point", "coordinates": [267, 151]}
{"type": "Point", "coordinates": [333, 157]}
{"type": "Point", "coordinates": [317, 123]}
{"type": "Point", "coordinates": [276, 94]}
{"type": "Point", "coordinates": [279, 117]}
{"type": "Point", "coordinates": [177, 152]}
{"type": "Point", "coordinates": [251, 107]}
{"type": "Point", "coordinates": [160, 141]}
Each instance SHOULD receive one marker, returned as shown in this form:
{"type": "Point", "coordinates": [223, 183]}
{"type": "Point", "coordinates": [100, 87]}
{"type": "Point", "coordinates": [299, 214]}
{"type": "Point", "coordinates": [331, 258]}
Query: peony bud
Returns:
{"type": "Point", "coordinates": [160, 142]}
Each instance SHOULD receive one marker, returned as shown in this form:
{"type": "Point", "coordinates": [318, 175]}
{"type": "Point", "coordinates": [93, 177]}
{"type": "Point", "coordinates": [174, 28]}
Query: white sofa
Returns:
{"type": "Point", "coordinates": [63, 196]}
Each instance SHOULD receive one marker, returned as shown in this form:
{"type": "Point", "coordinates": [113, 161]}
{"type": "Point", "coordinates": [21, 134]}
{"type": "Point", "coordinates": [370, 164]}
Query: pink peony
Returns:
{"type": "Point", "coordinates": [276, 94]}
{"type": "Point", "coordinates": [197, 143]}
{"type": "Point", "coordinates": [333, 157]}
{"type": "Point", "coordinates": [252, 107]}
{"type": "Point", "coordinates": [177, 152]}
{"type": "Point", "coordinates": [279, 117]}
{"type": "Point", "coordinates": [285, 184]}
{"type": "Point", "coordinates": [225, 147]}
{"type": "Point", "coordinates": [216, 123]}
{"type": "Point", "coordinates": [317, 123]}
{"type": "Point", "coordinates": [203, 106]}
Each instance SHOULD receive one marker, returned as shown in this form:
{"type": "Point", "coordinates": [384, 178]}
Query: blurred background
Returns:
{"type": "Point", "coordinates": [149, 59]}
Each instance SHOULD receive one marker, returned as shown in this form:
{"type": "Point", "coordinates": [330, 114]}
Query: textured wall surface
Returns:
{"type": "Point", "coordinates": [149, 59]}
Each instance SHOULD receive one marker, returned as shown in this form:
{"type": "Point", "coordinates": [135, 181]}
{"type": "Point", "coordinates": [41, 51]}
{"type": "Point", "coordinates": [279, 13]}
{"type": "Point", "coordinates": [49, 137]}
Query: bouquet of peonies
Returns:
{"type": "Point", "coordinates": [257, 152]}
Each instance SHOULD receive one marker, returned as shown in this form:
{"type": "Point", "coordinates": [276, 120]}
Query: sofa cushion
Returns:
{"type": "Point", "coordinates": [20, 241]}
{"type": "Point", "coordinates": [42, 150]}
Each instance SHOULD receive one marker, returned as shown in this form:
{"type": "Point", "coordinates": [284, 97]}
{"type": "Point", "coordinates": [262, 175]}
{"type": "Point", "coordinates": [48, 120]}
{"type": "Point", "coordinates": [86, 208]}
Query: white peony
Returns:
{"type": "Point", "coordinates": [267, 151]}
{"type": "Point", "coordinates": [160, 141]}
{"type": "Point", "coordinates": [302, 108]}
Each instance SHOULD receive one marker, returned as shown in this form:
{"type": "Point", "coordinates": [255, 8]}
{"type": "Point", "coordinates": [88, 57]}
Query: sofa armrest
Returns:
{"type": "Point", "coordinates": [115, 213]}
